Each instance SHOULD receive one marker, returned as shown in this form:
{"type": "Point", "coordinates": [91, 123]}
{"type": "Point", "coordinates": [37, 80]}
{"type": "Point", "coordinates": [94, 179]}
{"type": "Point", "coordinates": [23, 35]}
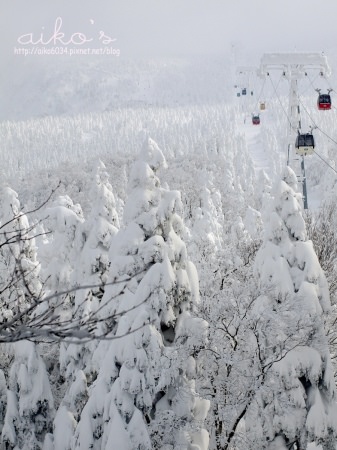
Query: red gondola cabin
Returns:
{"type": "Point", "coordinates": [324, 101]}
{"type": "Point", "coordinates": [255, 120]}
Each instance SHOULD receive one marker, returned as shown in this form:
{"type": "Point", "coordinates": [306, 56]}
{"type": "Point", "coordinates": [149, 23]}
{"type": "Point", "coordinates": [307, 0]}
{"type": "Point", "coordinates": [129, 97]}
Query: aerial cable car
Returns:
{"type": "Point", "coordinates": [262, 106]}
{"type": "Point", "coordinates": [324, 100]}
{"type": "Point", "coordinates": [244, 91]}
{"type": "Point", "coordinates": [305, 144]}
{"type": "Point", "coordinates": [255, 119]}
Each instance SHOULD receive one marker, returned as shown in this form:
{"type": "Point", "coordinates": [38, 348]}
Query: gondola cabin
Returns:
{"type": "Point", "coordinates": [324, 101]}
{"type": "Point", "coordinates": [305, 144]}
{"type": "Point", "coordinates": [255, 120]}
{"type": "Point", "coordinates": [262, 106]}
{"type": "Point", "coordinates": [244, 91]}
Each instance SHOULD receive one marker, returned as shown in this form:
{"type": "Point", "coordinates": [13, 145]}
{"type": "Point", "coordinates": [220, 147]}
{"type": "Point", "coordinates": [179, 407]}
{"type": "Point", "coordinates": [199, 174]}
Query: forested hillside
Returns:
{"type": "Point", "coordinates": [162, 286]}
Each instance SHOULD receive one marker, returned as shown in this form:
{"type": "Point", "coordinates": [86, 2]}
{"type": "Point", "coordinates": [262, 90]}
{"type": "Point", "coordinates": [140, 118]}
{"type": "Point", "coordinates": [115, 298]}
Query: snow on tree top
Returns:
{"type": "Point", "coordinates": [290, 178]}
{"type": "Point", "coordinates": [10, 205]}
{"type": "Point", "coordinates": [288, 207]}
{"type": "Point", "coordinates": [152, 155]}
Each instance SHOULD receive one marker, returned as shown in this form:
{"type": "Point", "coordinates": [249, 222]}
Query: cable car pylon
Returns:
{"type": "Point", "coordinates": [295, 66]}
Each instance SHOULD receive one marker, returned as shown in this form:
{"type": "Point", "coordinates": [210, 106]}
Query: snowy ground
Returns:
{"type": "Point", "coordinates": [260, 155]}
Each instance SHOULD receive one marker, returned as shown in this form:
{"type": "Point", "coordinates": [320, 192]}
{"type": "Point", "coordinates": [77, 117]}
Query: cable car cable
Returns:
{"type": "Point", "coordinates": [325, 161]}
{"type": "Point", "coordinates": [316, 126]}
{"type": "Point", "coordinates": [261, 92]}
{"type": "Point", "coordinates": [305, 109]}
{"type": "Point", "coordinates": [327, 82]}
{"type": "Point", "coordinates": [311, 83]}
{"type": "Point", "coordinates": [323, 132]}
{"type": "Point", "coordinates": [278, 98]}
{"type": "Point", "coordinates": [320, 96]}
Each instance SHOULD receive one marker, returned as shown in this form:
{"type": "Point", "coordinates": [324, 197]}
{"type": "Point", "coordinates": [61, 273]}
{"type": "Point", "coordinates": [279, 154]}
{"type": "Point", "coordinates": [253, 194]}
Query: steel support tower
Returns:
{"type": "Point", "coordinates": [295, 66]}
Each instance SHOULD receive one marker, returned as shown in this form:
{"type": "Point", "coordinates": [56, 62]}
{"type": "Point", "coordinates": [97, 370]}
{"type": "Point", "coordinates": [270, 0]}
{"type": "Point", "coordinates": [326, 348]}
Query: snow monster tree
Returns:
{"type": "Point", "coordinates": [144, 396]}
{"type": "Point", "coordinates": [296, 403]}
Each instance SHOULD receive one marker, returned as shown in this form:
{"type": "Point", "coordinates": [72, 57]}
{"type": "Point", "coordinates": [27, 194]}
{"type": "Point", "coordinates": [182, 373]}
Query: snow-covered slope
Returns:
{"type": "Point", "coordinates": [59, 122]}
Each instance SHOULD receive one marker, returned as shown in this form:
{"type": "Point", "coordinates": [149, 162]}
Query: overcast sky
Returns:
{"type": "Point", "coordinates": [178, 27]}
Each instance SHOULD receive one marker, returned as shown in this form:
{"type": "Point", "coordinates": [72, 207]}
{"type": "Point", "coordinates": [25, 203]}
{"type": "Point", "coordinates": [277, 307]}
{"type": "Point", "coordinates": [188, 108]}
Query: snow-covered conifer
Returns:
{"type": "Point", "coordinates": [297, 400]}
{"type": "Point", "coordinates": [30, 404]}
{"type": "Point", "coordinates": [97, 231]}
{"type": "Point", "coordinates": [3, 399]}
{"type": "Point", "coordinates": [89, 276]}
{"type": "Point", "coordinates": [60, 253]}
{"type": "Point", "coordinates": [144, 396]}
{"type": "Point", "coordinates": [90, 272]}
{"type": "Point", "coordinates": [205, 242]}
{"type": "Point", "coordinates": [19, 269]}
{"type": "Point", "coordinates": [58, 256]}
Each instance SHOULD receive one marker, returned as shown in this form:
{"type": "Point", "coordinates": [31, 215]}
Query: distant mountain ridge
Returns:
{"type": "Point", "coordinates": [37, 86]}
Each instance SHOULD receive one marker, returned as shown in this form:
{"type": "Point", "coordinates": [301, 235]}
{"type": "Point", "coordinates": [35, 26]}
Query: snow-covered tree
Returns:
{"type": "Point", "coordinates": [97, 231]}
{"type": "Point", "coordinates": [59, 258]}
{"type": "Point", "coordinates": [228, 359]}
{"type": "Point", "coordinates": [205, 237]}
{"type": "Point", "coordinates": [90, 272]}
{"type": "Point", "coordinates": [322, 230]}
{"type": "Point", "coordinates": [144, 396]}
{"type": "Point", "coordinates": [30, 404]}
{"type": "Point", "coordinates": [3, 399]}
{"type": "Point", "coordinates": [61, 251]}
{"type": "Point", "coordinates": [20, 286]}
{"type": "Point", "coordinates": [296, 402]}
{"type": "Point", "coordinates": [89, 276]}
